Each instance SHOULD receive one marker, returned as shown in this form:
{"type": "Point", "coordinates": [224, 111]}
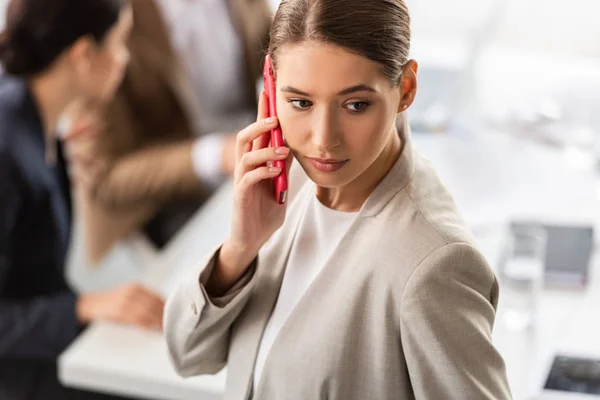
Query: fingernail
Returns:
{"type": "Point", "coordinates": [282, 151]}
{"type": "Point", "coordinates": [274, 170]}
{"type": "Point", "coordinates": [270, 120]}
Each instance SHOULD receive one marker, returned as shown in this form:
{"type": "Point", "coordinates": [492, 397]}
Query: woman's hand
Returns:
{"type": "Point", "coordinates": [80, 143]}
{"type": "Point", "coordinates": [131, 304]}
{"type": "Point", "coordinates": [256, 213]}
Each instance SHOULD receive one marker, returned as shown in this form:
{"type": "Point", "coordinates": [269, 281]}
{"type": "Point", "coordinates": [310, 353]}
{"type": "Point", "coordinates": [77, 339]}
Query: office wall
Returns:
{"type": "Point", "coordinates": [539, 25]}
{"type": "Point", "coordinates": [3, 4]}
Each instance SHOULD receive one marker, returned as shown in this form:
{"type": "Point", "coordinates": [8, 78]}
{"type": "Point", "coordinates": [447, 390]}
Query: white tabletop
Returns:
{"type": "Point", "coordinates": [129, 361]}
{"type": "Point", "coordinates": [123, 360]}
{"type": "Point", "coordinates": [491, 180]}
{"type": "Point", "coordinates": [528, 354]}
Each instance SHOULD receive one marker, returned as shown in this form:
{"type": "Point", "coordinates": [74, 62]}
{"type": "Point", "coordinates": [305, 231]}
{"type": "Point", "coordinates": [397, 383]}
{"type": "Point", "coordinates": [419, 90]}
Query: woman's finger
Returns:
{"type": "Point", "coordinates": [263, 106]}
{"type": "Point", "coordinates": [143, 318]}
{"type": "Point", "coordinates": [262, 157]}
{"type": "Point", "coordinates": [246, 137]}
{"type": "Point", "coordinates": [258, 175]}
{"type": "Point", "coordinates": [84, 128]}
{"type": "Point", "coordinates": [262, 141]}
{"type": "Point", "coordinates": [154, 304]}
{"type": "Point", "coordinates": [263, 113]}
{"type": "Point", "coordinates": [86, 174]}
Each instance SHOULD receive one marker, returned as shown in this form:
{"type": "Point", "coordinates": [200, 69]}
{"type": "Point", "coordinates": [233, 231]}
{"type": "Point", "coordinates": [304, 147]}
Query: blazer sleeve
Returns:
{"type": "Point", "coordinates": [197, 327]}
{"type": "Point", "coordinates": [39, 327]}
{"type": "Point", "coordinates": [129, 160]}
{"type": "Point", "coordinates": [447, 313]}
{"type": "Point", "coordinates": [153, 174]}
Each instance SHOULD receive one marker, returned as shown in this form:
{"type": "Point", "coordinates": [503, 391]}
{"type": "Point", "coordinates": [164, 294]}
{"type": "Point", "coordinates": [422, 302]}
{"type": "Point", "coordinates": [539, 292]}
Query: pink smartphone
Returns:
{"type": "Point", "coordinates": [280, 181]}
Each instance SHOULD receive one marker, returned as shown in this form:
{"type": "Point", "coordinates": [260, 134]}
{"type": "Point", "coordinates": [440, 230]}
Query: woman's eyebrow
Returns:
{"type": "Point", "coordinates": [352, 89]}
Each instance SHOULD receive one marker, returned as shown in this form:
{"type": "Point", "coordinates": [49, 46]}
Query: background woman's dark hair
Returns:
{"type": "Point", "coordinates": [38, 31]}
{"type": "Point", "coordinates": [376, 29]}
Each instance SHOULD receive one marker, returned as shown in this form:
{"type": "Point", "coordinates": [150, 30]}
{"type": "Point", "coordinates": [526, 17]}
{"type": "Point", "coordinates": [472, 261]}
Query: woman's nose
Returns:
{"type": "Point", "coordinates": [325, 133]}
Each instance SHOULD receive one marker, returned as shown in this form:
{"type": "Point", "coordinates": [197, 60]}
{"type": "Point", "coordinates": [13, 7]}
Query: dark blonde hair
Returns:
{"type": "Point", "coordinates": [376, 29]}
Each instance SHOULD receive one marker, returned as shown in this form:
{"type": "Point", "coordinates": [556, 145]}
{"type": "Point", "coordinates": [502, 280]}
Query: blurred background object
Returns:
{"type": "Point", "coordinates": [167, 140]}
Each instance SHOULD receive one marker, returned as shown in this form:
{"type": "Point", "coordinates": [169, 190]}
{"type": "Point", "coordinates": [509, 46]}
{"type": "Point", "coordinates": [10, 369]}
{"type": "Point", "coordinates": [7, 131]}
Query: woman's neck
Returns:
{"type": "Point", "coordinates": [52, 96]}
{"type": "Point", "coordinates": [351, 197]}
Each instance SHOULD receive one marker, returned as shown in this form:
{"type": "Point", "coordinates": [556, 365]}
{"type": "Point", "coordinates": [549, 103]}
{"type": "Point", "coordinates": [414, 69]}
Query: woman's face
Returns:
{"type": "Point", "coordinates": [106, 62]}
{"type": "Point", "coordinates": [337, 110]}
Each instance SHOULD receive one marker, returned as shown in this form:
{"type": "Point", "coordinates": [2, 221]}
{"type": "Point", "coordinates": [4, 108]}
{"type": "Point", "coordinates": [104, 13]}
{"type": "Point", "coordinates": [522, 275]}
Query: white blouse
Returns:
{"type": "Point", "coordinates": [319, 233]}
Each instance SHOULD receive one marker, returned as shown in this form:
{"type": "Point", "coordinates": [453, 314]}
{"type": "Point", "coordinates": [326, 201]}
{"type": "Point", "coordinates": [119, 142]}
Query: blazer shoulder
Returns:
{"type": "Point", "coordinates": [17, 115]}
{"type": "Point", "coordinates": [435, 205]}
{"type": "Point", "coordinates": [11, 97]}
{"type": "Point", "coordinates": [427, 224]}
{"type": "Point", "coordinates": [451, 269]}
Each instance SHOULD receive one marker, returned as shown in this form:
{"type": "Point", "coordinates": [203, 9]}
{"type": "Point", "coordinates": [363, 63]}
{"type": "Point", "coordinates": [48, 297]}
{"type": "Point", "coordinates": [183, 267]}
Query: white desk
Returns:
{"type": "Point", "coordinates": [565, 326]}
{"type": "Point", "coordinates": [127, 361]}
{"type": "Point", "coordinates": [119, 359]}
{"type": "Point", "coordinates": [579, 336]}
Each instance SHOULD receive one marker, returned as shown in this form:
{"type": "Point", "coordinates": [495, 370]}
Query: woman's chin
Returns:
{"type": "Point", "coordinates": [329, 180]}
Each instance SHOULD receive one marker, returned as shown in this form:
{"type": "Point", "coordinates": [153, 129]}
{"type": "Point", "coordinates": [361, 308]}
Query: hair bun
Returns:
{"type": "Point", "coordinates": [13, 62]}
{"type": "Point", "coordinates": [6, 53]}
{"type": "Point", "coordinates": [4, 47]}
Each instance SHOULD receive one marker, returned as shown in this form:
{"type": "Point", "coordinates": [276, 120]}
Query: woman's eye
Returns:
{"type": "Point", "coordinates": [357, 106]}
{"type": "Point", "coordinates": [300, 104]}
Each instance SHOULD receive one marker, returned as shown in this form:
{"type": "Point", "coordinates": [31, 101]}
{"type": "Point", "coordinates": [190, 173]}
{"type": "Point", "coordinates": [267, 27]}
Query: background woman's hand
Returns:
{"type": "Point", "coordinates": [131, 304]}
{"type": "Point", "coordinates": [80, 143]}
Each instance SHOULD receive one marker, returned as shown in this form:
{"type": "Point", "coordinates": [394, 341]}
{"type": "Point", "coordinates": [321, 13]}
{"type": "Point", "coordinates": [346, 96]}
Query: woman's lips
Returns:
{"type": "Point", "coordinates": [327, 165]}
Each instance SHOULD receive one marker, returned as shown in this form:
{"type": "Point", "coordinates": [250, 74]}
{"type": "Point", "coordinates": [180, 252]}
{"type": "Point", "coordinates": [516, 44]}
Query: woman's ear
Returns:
{"type": "Point", "coordinates": [408, 85]}
{"type": "Point", "coordinates": [80, 56]}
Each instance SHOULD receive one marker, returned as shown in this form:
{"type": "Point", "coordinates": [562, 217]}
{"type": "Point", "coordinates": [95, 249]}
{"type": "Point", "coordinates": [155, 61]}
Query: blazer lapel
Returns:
{"type": "Point", "coordinates": [252, 20]}
{"type": "Point", "coordinates": [397, 179]}
{"type": "Point", "coordinates": [183, 89]}
{"type": "Point", "coordinates": [151, 32]}
{"type": "Point", "coordinates": [272, 261]}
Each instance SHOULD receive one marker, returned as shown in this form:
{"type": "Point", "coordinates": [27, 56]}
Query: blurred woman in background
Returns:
{"type": "Point", "coordinates": [53, 53]}
{"type": "Point", "coordinates": [149, 158]}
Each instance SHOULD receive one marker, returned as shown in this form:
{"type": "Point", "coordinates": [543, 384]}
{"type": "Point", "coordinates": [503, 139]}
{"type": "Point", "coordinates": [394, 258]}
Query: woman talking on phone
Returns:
{"type": "Point", "coordinates": [367, 284]}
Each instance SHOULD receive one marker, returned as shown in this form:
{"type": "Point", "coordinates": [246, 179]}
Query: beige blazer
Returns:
{"type": "Point", "coordinates": [403, 309]}
{"type": "Point", "coordinates": [147, 143]}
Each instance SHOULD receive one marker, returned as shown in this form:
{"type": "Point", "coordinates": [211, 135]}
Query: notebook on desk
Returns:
{"type": "Point", "coordinates": [572, 374]}
{"type": "Point", "coordinates": [575, 371]}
